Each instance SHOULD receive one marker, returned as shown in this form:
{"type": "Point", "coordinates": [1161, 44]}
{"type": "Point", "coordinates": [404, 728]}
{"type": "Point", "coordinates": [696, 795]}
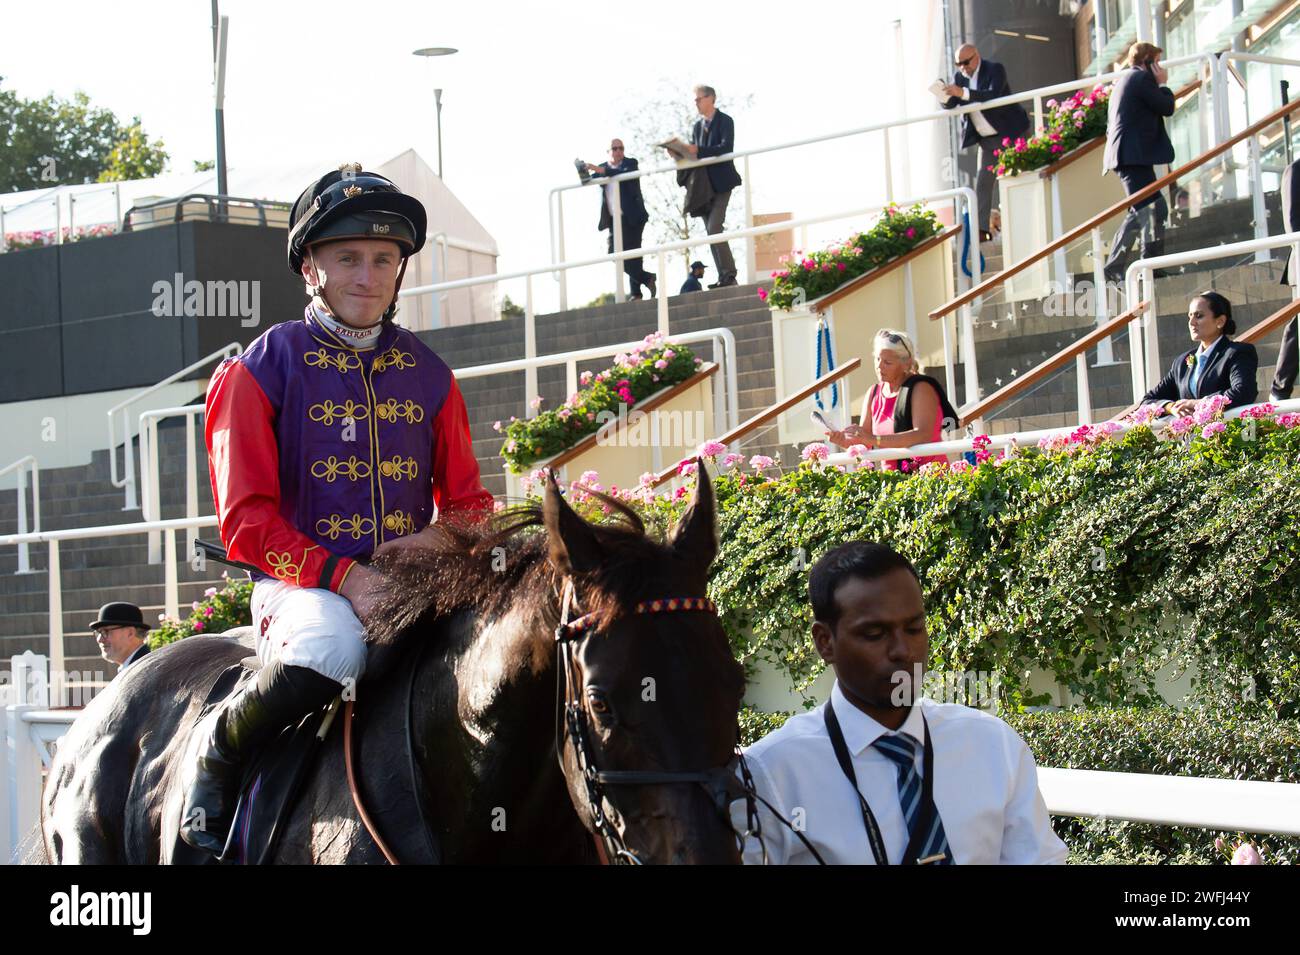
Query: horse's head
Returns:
{"type": "Point", "coordinates": [652, 690]}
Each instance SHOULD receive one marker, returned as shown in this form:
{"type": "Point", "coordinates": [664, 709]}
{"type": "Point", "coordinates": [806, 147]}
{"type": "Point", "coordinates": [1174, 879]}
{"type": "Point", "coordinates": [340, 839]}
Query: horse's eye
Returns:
{"type": "Point", "coordinates": [597, 701]}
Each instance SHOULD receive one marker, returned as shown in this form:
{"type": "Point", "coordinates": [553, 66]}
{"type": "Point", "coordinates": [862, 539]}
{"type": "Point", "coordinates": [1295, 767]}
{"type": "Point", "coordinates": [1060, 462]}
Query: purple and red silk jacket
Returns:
{"type": "Point", "coordinates": [318, 452]}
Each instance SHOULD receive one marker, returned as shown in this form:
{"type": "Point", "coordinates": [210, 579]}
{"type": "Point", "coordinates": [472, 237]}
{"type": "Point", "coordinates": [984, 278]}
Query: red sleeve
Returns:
{"type": "Point", "coordinates": [244, 464]}
{"type": "Point", "coordinates": [456, 484]}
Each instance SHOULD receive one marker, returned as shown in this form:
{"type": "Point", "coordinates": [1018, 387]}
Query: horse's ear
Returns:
{"type": "Point", "coordinates": [572, 545]}
{"type": "Point", "coordinates": [695, 537]}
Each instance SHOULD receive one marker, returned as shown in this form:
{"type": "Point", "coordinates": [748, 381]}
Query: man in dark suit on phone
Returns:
{"type": "Point", "coordinates": [632, 208]}
{"type": "Point", "coordinates": [977, 81]}
{"type": "Point", "coordinates": [1136, 142]}
{"type": "Point", "coordinates": [714, 134]}
{"type": "Point", "coordinates": [1288, 355]}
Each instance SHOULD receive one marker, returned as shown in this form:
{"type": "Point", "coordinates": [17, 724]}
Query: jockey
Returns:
{"type": "Point", "coordinates": [327, 438]}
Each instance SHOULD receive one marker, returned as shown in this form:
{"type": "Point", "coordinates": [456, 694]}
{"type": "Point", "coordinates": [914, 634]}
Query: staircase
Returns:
{"type": "Point", "coordinates": [95, 572]}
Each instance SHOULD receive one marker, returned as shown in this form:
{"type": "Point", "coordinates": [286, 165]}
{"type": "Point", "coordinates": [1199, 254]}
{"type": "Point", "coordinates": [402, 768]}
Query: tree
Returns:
{"type": "Point", "coordinates": [509, 309]}
{"type": "Point", "coordinates": [134, 157]}
{"type": "Point", "coordinates": [49, 142]}
{"type": "Point", "coordinates": [203, 165]}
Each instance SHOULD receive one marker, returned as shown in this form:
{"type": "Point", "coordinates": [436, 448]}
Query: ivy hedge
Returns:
{"type": "Point", "coordinates": [1100, 565]}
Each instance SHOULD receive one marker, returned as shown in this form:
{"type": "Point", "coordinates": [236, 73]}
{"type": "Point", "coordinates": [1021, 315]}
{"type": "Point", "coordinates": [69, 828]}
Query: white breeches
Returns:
{"type": "Point", "coordinates": [308, 627]}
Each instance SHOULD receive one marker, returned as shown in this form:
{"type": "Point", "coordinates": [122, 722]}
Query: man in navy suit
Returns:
{"type": "Point", "coordinates": [714, 134]}
{"type": "Point", "coordinates": [978, 81]}
{"type": "Point", "coordinates": [1136, 142]}
{"type": "Point", "coordinates": [1217, 366]}
{"type": "Point", "coordinates": [632, 207]}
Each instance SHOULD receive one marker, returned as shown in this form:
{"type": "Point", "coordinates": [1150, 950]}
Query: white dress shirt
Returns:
{"type": "Point", "coordinates": [610, 195]}
{"type": "Point", "coordinates": [982, 125]}
{"type": "Point", "coordinates": [985, 789]}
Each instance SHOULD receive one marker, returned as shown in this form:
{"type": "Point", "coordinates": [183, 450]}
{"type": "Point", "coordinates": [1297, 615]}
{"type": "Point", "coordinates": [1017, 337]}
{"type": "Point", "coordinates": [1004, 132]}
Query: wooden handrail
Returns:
{"type": "Point", "coordinates": [1252, 334]}
{"type": "Point", "coordinates": [1096, 142]}
{"type": "Point", "coordinates": [1049, 365]}
{"type": "Point", "coordinates": [606, 431]}
{"type": "Point", "coordinates": [866, 278]}
{"type": "Point", "coordinates": [1084, 227]}
{"type": "Point", "coordinates": [771, 411]}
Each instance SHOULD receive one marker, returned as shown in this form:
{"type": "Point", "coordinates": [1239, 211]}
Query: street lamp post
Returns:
{"type": "Point", "coordinates": [437, 93]}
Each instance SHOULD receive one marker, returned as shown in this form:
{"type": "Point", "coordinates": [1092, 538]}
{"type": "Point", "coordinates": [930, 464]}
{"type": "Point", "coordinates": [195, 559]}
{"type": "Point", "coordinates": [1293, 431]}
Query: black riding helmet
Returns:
{"type": "Point", "coordinates": [348, 203]}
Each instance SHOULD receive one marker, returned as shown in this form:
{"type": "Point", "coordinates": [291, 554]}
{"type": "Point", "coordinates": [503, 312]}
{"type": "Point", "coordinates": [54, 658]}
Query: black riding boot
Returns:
{"type": "Point", "coordinates": [277, 696]}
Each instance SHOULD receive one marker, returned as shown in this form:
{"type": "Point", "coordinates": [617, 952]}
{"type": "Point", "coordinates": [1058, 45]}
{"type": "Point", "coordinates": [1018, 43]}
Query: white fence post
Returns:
{"type": "Point", "coordinates": [24, 779]}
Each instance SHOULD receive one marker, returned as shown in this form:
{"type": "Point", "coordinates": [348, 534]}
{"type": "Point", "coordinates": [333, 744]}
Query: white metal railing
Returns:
{"type": "Point", "coordinates": [960, 196]}
{"type": "Point", "coordinates": [150, 470]}
{"type": "Point", "coordinates": [171, 586]}
{"type": "Point", "coordinates": [22, 466]}
{"type": "Point", "coordinates": [726, 406]}
{"type": "Point", "coordinates": [128, 479]}
{"type": "Point", "coordinates": [555, 205]}
{"type": "Point", "coordinates": [1230, 805]}
{"type": "Point", "coordinates": [1144, 340]}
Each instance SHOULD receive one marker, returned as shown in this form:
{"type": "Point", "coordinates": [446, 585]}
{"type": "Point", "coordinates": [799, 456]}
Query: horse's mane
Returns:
{"type": "Point", "coordinates": [502, 560]}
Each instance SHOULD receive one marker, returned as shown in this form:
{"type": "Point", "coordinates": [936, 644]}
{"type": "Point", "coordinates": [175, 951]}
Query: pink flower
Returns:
{"type": "Point", "coordinates": [207, 611]}
{"type": "Point", "coordinates": [536, 402]}
{"type": "Point", "coordinates": [958, 467]}
{"type": "Point", "coordinates": [761, 462]}
{"type": "Point", "coordinates": [711, 449]}
{"type": "Point", "coordinates": [1213, 428]}
{"type": "Point", "coordinates": [1050, 103]}
{"type": "Point", "coordinates": [815, 452]}
{"type": "Point", "coordinates": [1181, 426]}
{"type": "Point", "coordinates": [841, 266]}
{"type": "Point", "coordinates": [1006, 140]}
{"type": "Point", "coordinates": [1058, 148]}
{"type": "Point", "coordinates": [911, 232]}
{"type": "Point", "coordinates": [1246, 854]}
{"type": "Point", "coordinates": [661, 364]}
{"type": "Point", "coordinates": [210, 592]}
{"type": "Point", "coordinates": [826, 267]}
{"type": "Point", "coordinates": [1259, 411]}
{"type": "Point", "coordinates": [762, 294]}
{"type": "Point", "coordinates": [646, 479]}
{"type": "Point", "coordinates": [981, 441]}
{"type": "Point", "coordinates": [496, 425]}
{"type": "Point", "coordinates": [687, 468]}
{"type": "Point", "coordinates": [564, 413]}
{"type": "Point", "coordinates": [585, 378]}
{"type": "Point", "coordinates": [199, 625]}
{"type": "Point", "coordinates": [679, 493]}
{"type": "Point", "coordinates": [732, 459]}
{"type": "Point", "coordinates": [808, 264]}
{"type": "Point", "coordinates": [857, 451]}
{"type": "Point", "coordinates": [669, 354]}
{"type": "Point", "coordinates": [1289, 420]}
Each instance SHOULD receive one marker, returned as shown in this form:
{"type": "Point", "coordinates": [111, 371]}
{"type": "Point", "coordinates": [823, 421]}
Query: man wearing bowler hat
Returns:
{"type": "Point", "coordinates": [692, 283]}
{"type": "Point", "coordinates": [120, 632]}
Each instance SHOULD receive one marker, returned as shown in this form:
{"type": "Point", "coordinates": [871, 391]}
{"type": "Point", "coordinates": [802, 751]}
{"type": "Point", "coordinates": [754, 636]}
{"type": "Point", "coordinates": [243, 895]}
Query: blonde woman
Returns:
{"type": "Point", "coordinates": [903, 409]}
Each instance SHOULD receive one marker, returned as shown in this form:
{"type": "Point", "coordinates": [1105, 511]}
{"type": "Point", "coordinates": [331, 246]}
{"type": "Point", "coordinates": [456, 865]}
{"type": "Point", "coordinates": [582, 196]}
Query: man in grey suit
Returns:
{"type": "Point", "coordinates": [714, 134]}
{"type": "Point", "coordinates": [1136, 142]}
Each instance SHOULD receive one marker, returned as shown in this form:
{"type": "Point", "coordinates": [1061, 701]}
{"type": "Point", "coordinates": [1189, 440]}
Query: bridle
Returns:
{"type": "Point", "coordinates": [720, 783]}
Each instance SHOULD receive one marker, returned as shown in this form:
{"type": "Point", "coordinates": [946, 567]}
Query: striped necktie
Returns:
{"type": "Point", "coordinates": [902, 752]}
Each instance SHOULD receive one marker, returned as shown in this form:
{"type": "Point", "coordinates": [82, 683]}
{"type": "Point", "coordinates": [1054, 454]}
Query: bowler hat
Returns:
{"type": "Point", "coordinates": [120, 614]}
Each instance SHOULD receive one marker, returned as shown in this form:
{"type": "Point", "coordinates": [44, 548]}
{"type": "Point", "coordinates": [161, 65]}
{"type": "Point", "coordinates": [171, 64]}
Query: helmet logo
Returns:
{"type": "Point", "coordinates": [351, 191]}
{"type": "Point", "coordinates": [381, 228]}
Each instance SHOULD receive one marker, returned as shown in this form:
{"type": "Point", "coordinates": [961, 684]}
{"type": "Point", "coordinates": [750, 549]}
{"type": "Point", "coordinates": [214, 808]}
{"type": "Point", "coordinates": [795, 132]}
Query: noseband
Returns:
{"type": "Point", "coordinates": [720, 783]}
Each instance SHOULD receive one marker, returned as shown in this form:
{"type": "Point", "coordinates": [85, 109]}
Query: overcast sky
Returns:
{"type": "Point", "coordinates": [534, 86]}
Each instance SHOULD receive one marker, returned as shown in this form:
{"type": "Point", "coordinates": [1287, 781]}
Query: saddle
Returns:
{"type": "Point", "coordinates": [269, 785]}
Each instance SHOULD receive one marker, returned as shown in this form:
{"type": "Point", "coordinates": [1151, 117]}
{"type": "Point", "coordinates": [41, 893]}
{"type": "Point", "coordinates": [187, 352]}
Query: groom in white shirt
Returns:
{"type": "Point", "coordinates": [980, 803]}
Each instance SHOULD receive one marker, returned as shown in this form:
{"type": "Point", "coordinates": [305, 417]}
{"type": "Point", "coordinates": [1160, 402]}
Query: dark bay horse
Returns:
{"type": "Point", "coordinates": [456, 718]}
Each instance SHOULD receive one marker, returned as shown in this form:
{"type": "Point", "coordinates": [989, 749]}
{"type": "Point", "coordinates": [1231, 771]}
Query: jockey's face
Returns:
{"type": "Point", "coordinates": [358, 277]}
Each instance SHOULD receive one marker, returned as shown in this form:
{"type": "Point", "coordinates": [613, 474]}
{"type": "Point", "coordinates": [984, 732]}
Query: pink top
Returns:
{"type": "Point", "coordinates": [882, 422]}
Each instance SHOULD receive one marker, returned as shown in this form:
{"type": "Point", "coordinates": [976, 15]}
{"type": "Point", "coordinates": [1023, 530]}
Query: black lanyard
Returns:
{"type": "Point", "coordinates": [874, 838]}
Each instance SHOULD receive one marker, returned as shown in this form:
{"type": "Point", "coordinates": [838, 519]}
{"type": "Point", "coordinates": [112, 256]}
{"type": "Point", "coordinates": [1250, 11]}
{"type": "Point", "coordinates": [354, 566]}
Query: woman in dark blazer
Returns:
{"type": "Point", "coordinates": [1217, 366]}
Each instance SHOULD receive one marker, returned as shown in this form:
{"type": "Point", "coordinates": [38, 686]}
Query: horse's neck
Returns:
{"type": "Point", "coordinates": [486, 725]}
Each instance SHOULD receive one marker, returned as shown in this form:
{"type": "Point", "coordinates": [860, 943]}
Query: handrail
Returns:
{"type": "Point", "coordinates": [54, 583]}
{"type": "Point", "coordinates": [767, 414]}
{"type": "Point", "coordinates": [1254, 333]}
{"type": "Point", "coordinates": [607, 431]}
{"type": "Point", "coordinates": [128, 478]}
{"type": "Point", "coordinates": [1060, 242]}
{"type": "Point", "coordinates": [1049, 365]}
{"type": "Point", "coordinates": [830, 298]}
{"type": "Point", "coordinates": [728, 405]}
{"type": "Point", "coordinates": [150, 466]}
{"type": "Point", "coordinates": [22, 466]}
